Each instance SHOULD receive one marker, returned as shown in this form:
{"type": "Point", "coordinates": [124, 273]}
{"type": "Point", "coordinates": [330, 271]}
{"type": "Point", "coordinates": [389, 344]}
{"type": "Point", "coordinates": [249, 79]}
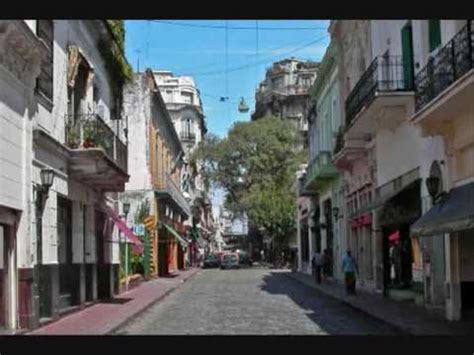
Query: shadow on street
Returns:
{"type": "Point", "coordinates": [331, 315]}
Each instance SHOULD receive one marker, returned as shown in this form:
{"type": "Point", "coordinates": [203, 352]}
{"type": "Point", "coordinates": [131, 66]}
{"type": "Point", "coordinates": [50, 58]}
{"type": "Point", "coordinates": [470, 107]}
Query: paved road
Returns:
{"type": "Point", "coordinates": [253, 301]}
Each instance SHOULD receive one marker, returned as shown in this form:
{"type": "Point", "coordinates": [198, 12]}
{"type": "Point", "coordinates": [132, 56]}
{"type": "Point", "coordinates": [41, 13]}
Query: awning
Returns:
{"type": "Point", "coordinates": [175, 234]}
{"type": "Point", "coordinates": [454, 213]}
{"type": "Point", "coordinates": [389, 190]}
{"type": "Point", "coordinates": [122, 226]}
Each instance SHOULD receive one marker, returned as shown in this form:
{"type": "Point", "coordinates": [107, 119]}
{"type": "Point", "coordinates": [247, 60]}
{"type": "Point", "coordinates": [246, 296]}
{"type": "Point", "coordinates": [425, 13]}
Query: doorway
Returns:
{"type": "Point", "coordinates": [103, 271]}
{"type": "Point", "coordinates": [68, 285]}
{"type": "Point", "coordinates": [3, 276]}
{"type": "Point", "coordinates": [466, 261]}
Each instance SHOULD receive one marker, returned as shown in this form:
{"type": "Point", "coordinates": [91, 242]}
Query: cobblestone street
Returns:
{"type": "Point", "coordinates": [253, 301]}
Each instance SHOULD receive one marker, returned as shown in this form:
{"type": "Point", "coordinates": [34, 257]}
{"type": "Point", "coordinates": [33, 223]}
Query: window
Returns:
{"type": "Point", "coordinates": [434, 34]}
{"type": "Point", "coordinates": [187, 97]}
{"type": "Point", "coordinates": [44, 82]}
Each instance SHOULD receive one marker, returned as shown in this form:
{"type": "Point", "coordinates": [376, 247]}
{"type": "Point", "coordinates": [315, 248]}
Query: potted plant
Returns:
{"type": "Point", "coordinates": [72, 137]}
{"type": "Point", "coordinates": [89, 135]}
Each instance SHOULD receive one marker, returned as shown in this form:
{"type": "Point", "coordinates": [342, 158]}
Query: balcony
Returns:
{"type": "Point", "coordinates": [187, 136]}
{"type": "Point", "coordinates": [98, 157]}
{"type": "Point", "coordinates": [169, 191]}
{"type": "Point", "coordinates": [445, 86]}
{"type": "Point", "coordinates": [386, 83]}
{"type": "Point", "coordinates": [320, 171]}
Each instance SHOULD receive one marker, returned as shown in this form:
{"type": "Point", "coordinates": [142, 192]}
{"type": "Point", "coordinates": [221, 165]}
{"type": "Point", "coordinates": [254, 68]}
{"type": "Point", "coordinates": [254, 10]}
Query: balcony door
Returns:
{"type": "Point", "coordinates": [407, 55]}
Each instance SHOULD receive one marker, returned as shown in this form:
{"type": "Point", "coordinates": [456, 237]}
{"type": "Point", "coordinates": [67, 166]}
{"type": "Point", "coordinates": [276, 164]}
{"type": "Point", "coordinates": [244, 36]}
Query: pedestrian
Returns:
{"type": "Point", "coordinates": [349, 267]}
{"type": "Point", "coordinates": [317, 264]}
{"type": "Point", "coordinates": [327, 262]}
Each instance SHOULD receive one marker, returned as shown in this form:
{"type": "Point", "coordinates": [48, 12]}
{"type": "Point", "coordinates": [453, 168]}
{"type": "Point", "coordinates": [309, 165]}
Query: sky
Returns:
{"type": "Point", "coordinates": [190, 47]}
{"type": "Point", "coordinates": [204, 49]}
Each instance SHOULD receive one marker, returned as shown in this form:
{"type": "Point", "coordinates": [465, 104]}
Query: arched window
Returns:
{"type": "Point", "coordinates": [187, 127]}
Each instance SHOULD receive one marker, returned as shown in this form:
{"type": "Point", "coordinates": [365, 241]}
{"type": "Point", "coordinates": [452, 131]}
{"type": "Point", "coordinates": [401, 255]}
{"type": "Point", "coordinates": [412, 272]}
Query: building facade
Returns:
{"type": "Point", "coordinates": [444, 111]}
{"type": "Point", "coordinates": [156, 157]}
{"type": "Point", "coordinates": [284, 92]}
{"type": "Point", "coordinates": [183, 101]}
{"type": "Point", "coordinates": [321, 181]}
{"type": "Point", "coordinates": [67, 159]}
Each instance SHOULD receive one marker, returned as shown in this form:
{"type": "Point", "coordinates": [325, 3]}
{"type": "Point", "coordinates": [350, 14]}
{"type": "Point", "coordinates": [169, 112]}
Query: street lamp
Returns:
{"type": "Point", "coordinates": [335, 213]}
{"type": "Point", "coordinates": [47, 179]}
{"type": "Point", "coordinates": [126, 210]}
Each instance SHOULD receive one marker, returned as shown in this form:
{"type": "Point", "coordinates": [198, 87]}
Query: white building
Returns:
{"type": "Point", "coordinates": [68, 123]}
{"type": "Point", "coordinates": [184, 104]}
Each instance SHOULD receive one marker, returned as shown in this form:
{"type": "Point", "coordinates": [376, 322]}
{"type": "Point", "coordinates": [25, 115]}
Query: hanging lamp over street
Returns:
{"type": "Point", "coordinates": [243, 107]}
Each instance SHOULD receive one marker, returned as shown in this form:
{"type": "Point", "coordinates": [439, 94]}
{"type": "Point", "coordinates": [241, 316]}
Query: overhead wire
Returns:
{"type": "Point", "coordinates": [195, 25]}
{"type": "Point", "coordinates": [216, 72]}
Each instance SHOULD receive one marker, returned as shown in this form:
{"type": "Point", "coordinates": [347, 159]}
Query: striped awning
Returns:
{"type": "Point", "coordinates": [175, 234]}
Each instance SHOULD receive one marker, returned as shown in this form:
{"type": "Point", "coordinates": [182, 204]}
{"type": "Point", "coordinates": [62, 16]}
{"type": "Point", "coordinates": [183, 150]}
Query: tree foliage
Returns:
{"type": "Point", "coordinates": [255, 165]}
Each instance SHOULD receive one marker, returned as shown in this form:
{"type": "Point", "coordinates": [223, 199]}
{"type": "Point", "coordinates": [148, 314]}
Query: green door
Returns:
{"type": "Point", "coordinates": [407, 56]}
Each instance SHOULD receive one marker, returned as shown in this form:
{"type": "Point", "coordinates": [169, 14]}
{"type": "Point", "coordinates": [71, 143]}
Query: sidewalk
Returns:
{"type": "Point", "coordinates": [408, 317]}
{"type": "Point", "coordinates": [104, 318]}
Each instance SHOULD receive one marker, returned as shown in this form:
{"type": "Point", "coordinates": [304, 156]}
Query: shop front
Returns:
{"type": "Point", "coordinates": [453, 218]}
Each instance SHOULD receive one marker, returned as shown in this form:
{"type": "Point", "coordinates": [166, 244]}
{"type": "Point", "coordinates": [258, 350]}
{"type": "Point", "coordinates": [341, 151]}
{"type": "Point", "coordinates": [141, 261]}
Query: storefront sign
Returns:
{"type": "Point", "coordinates": [139, 229]}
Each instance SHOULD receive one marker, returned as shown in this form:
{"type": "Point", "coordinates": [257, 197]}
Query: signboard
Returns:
{"type": "Point", "coordinates": [139, 229]}
{"type": "Point", "coordinates": [150, 222]}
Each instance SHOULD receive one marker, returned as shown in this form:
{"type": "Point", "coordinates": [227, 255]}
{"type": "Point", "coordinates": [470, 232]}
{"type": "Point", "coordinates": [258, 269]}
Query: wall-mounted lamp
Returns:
{"type": "Point", "coordinates": [434, 182]}
{"type": "Point", "coordinates": [47, 179]}
{"type": "Point", "coordinates": [335, 213]}
{"type": "Point", "coordinates": [433, 186]}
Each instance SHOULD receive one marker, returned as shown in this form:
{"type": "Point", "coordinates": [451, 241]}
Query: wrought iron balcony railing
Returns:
{"type": "Point", "coordinates": [173, 190]}
{"type": "Point", "coordinates": [384, 74]}
{"type": "Point", "coordinates": [450, 63]}
{"type": "Point", "coordinates": [320, 167]}
{"type": "Point", "coordinates": [90, 131]}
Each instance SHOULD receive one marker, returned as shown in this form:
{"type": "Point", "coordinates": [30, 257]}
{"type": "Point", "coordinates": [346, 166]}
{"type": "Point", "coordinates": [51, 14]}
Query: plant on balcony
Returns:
{"type": "Point", "coordinates": [72, 136]}
{"type": "Point", "coordinates": [89, 134]}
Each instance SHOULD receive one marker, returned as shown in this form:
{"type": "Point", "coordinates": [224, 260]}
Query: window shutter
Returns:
{"type": "Point", "coordinates": [435, 34]}
{"type": "Point", "coordinates": [407, 56]}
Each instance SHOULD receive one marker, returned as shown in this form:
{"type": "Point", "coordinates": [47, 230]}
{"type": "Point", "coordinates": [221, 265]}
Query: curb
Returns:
{"type": "Point", "coordinates": [376, 316]}
{"type": "Point", "coordinates": [160, 298]}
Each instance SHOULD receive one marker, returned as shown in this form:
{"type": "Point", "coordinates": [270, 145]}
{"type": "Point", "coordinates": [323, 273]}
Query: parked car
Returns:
{"type": "Point", "coordinates": [211, 261]}
{"type": "Point", "coordinates": [230, 261]}
{"type": "Point", "coordinates": [244, 259]}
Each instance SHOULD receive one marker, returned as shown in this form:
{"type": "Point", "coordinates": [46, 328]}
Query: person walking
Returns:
{"type": "Point", "coordinates": [317, 264]}
{"type": "Point", "coordinates": [349, 267]}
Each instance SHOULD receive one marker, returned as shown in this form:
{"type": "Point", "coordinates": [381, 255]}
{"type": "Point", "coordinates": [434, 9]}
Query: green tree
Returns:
{"type": "Point", "coordinates": [255, 165]}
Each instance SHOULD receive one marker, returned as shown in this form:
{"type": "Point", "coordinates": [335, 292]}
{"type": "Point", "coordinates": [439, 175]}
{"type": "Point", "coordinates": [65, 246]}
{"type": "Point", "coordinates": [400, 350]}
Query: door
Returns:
{"type": "Point", "coordinates": [3, 279]}
{"type": "Point", "coordinates": [407, 56]}
{"type": "Point", "coordinates": [66, 269]}
{"type": "Point", "coordinates": [103, 277]}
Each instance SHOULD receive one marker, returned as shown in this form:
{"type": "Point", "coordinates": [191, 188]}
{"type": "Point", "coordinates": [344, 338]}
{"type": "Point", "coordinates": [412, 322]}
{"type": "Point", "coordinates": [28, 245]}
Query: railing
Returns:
{"type": "Point", "coordinates": [189, 136]}
{"type": "Point", "coordinates": [322, 159]}
{"type": "Point", "coordinates": [90, 131]}
{"type": "Point", "coordinates": [385, 73]}
{"type": "Point", "coordinates": [450, 63]}
{"type": "Point", "coordinates": [176, 194]}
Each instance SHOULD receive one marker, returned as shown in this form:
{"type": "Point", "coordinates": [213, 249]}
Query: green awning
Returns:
{"type": "Point", "coordinates": [175, 234]}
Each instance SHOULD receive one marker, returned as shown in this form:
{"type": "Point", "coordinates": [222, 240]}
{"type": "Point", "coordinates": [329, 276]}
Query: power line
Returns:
{"type": "Point", "coordinates": [216, 72]}
{"type": "Point", "coordinates": [217, 63]}
{"type": "Point", "coordinates": [185, 24]}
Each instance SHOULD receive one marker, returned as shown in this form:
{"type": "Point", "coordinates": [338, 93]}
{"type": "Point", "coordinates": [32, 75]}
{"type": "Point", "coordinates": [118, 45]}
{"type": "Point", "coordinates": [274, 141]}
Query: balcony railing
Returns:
{"type": "Point", "coordinates": [173, 190]}
{"type": "Point", "coordinates": [384, 74]}
{"type": "Point", "coordinates": [450, 63]}
{"type": "Point", "coordinates": [90, 131]}
{"type": "Point", "coordinates": [187, 136]}
{"type": "Point", "coordinates": [321, 167]}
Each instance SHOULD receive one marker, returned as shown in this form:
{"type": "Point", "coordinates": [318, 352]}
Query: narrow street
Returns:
{"type": "Point", "coordinates": [254, 301]}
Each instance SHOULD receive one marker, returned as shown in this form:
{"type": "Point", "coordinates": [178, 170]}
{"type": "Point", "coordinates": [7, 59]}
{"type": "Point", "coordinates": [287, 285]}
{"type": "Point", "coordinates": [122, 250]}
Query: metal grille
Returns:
{"type": "Point", "coordinates": [385, 73]}
{"type": "Point", "coordinates": [450, 63]}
